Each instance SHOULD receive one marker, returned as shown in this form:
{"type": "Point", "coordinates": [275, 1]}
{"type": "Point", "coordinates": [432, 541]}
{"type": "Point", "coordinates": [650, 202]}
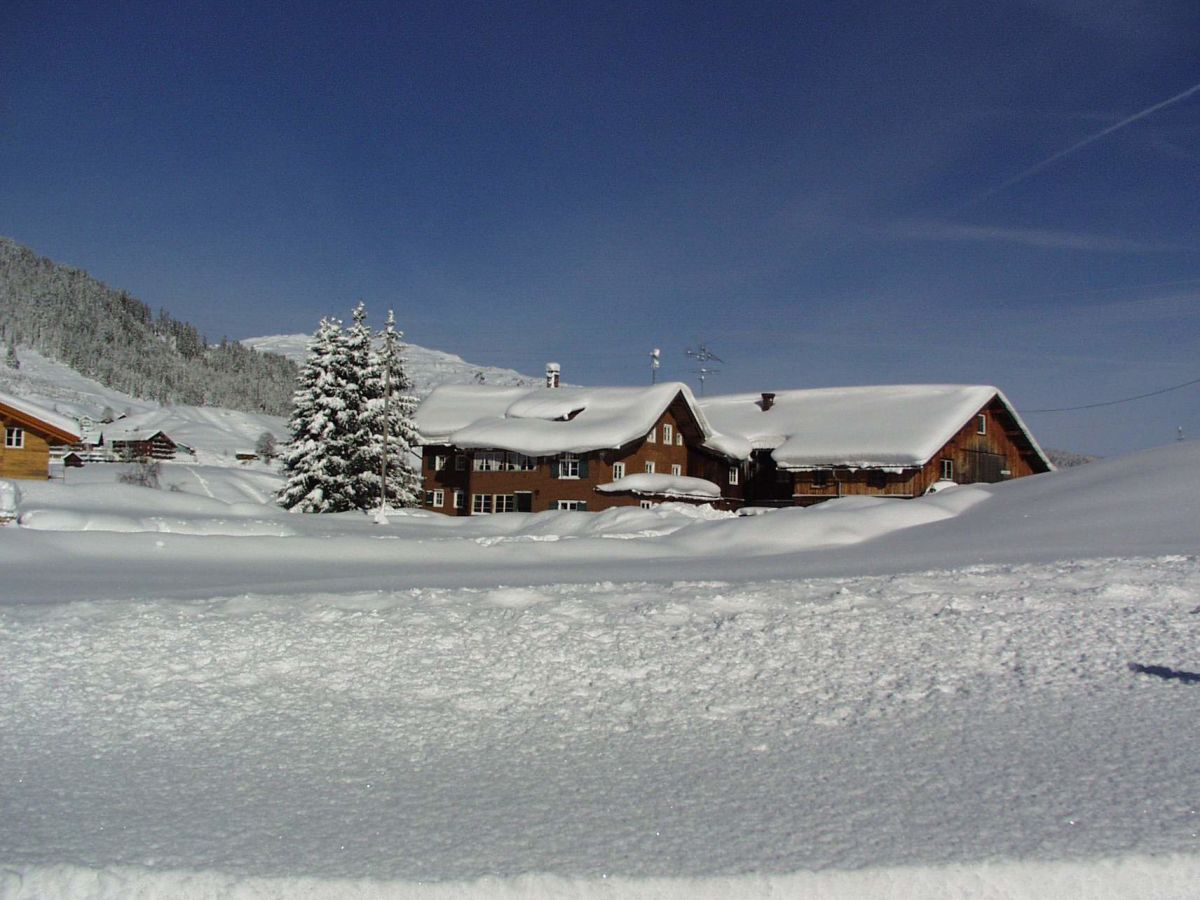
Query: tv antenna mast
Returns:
{"type": "Point", "coordinates": [655, 362]}
{"type": "Point", "coordinates": [703, 356]}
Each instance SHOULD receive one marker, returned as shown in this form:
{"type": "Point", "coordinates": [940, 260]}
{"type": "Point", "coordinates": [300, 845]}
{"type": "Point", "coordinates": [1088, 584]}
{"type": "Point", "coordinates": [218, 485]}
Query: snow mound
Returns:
{"type": "Point", "coordinates": [1163, 877]}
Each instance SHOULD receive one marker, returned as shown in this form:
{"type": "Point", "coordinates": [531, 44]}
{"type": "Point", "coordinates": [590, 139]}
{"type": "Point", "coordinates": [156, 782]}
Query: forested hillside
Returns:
{"type": "Point", "coordinates": [106, 334]}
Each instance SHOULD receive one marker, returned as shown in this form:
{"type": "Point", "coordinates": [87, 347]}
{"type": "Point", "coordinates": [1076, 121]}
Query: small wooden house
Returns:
{"type": "Point", "coordinates": [492, 449]}
{"type": "Point", "coordinates": [29, 433]}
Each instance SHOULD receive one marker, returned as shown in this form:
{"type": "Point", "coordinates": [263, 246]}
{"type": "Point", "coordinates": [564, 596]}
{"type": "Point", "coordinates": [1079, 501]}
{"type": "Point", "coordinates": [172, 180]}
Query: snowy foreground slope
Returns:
{"type": "Point", "coordinates": [203, 696]}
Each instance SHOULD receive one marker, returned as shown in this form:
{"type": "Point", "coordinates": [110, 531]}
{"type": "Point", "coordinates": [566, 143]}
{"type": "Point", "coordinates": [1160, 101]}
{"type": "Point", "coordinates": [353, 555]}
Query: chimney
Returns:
{"type": "Point", "coordinates": [768, 400]}
{"type": "Point", "coordinates": [552, 372]}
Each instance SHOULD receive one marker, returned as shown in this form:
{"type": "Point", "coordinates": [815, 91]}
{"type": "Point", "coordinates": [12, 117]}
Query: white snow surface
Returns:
{"type": "Point", "coordinates": [659, 484]}
{"type": "Point", "coordinates": [865, 698]}
{"type": "Point", "coordinates": [542, 421]}
{"type": "Point", "coordinates": [877, 426]}
{"type": "Point", "coordinates": [215, 434]}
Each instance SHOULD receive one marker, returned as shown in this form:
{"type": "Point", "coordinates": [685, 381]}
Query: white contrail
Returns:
{"type": "Point", "coordinates": [1091, 139]}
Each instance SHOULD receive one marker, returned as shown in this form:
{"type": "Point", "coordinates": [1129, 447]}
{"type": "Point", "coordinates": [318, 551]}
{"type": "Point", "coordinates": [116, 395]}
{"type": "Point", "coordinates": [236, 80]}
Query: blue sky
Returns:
{"type": "Point", "coordinates": [823, 193]}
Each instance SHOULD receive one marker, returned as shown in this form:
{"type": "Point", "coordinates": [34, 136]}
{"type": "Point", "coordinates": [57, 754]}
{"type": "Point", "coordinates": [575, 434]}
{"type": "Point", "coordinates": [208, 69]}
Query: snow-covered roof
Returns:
{"type": "Point", "coordinates": [542, 421]}
{"type": "Point", "coordinates": [877, 426]}
{"type": "Point", "coordinates": [662, 485]}
{"type": "Point", "coordinates": [68, 427]}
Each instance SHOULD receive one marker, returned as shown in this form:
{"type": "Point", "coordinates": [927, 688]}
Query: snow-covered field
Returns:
{"type": "Point", "coordinates": [988, 692]}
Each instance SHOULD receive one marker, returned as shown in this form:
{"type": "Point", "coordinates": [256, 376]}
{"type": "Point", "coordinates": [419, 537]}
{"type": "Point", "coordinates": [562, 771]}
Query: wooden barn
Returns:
{"type": "Point", "coordinates": [806, 446]}
{"type": "Point", "coordinates": [29, 433]}
{"type": "Point", "coordinates": [490, 449]}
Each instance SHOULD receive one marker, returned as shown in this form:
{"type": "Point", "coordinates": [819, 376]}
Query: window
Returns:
{"type": "Point", "coordinates": [618, 471]}
{"type": "Point", "coordinates": [568, 466]}
{"type": "Point", "coordinates": [481, 504]}
{"type": "Point", "coordinates": [876, 480]}
{"type": "Point", "coordinates": [504, 503]}
{"type": "Point", "coordinates": [646, 504]}
{"type": "Point", "coordinates": [819, 478]}
{"type": "Point", "coordinates": [981, 424]}
{"type": "Point", "coordinates": [652, 437]}
{"type": "Point", "coordinates": [503, 461]}
{"type": "Point", "coordinates": [435, 498]}
{"type": "Point", "coordinates": [489, 460]}
{"type": "Point", "coordinates": [734, 474]}
{"type": "Point", "coordinates": [570, 504]}
{"type": "Point", "coordinates": [14, 438]}
{"type": "Point", "coordinates": [676, 469]}
{"type": "Point", "coordinates": [460, 500]}
{"type": "Point", "coordinates": [650, 467]}
{"type": "Point", "coordinates": [668, 434]}
{"type": "Point", "coordinates": [948, 469]}
{"type": "Point", "coordinates": [460, 462]}
{"type": "Point", "coordinates": [679, 439]}
{"type": "Point", "coordinates": [439, 462]}
{"type": "Point", "coordinates": [519, 462]}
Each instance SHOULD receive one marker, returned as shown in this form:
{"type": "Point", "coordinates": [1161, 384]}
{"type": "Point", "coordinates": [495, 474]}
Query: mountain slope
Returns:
{"type": "Point", "coordinates": [66, 315]}
{"type": "Point", "coordinates": [427, 368]}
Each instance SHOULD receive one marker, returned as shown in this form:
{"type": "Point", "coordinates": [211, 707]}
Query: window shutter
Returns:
{"type": "Point", "coordinates": [583, 467]}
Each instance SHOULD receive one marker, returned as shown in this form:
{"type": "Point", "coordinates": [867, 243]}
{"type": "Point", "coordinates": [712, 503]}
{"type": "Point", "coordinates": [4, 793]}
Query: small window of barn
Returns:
{"type": "Point", "coordinates": [981, 424]}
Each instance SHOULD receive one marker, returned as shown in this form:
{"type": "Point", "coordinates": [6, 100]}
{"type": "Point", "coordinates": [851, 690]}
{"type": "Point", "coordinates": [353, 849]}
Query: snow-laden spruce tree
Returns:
{"type": "Point", "coordinates": [386, 421]}
{"type": "Point", "coordinates": [318, 464]}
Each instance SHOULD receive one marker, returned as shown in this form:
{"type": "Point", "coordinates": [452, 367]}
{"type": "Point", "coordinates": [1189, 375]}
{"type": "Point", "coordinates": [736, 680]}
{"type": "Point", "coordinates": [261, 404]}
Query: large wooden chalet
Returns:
{"type": "Point", "coordinates": [29, 433]}
{"type": "Point", "coordinates": [518, 449]}
{"type": "Point", "coordinates": [495, 449]}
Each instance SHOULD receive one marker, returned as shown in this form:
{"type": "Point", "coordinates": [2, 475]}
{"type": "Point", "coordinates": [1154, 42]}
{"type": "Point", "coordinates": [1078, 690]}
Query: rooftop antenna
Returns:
{"type": "Point", "coordinates": [704, 372]}
{"type": "Point", "coordinates": [703, 356]}
{"type": "Point", "coordinates": [655, 362]}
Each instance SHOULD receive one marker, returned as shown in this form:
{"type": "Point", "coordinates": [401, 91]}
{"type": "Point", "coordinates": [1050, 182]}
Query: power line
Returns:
{"type": "Point", "coordinates": [1165, 390]}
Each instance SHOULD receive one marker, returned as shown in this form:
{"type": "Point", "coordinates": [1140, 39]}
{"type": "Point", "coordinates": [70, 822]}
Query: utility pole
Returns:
{"type": "Point", "coordinates": [389, 339]}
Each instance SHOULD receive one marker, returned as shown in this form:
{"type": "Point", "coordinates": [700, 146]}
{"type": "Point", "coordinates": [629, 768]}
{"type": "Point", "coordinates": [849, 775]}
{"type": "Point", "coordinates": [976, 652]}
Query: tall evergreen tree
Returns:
{"type": "Point", "coordinates": [317, 464]}
{"type": "Point", "coordinates": [390, 438]}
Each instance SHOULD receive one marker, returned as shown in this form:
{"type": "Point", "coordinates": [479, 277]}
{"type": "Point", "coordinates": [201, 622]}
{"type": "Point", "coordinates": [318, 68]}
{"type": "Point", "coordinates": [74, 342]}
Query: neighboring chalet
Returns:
{"type": "Point", "coordinates": [806, 446]}
{"type": "Point", "coordinates": [138, 443]}
{"type": "Point", "coordinates": [490, 449]}
{"type": "Point", "coordinates": [29, 433]}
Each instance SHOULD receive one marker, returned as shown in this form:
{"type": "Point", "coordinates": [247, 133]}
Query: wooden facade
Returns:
{"type": "Point", "coordinates": [990, 447]}
{"type": "Point", "coordinates": [486, 480]}
{"type": "Point", "coordinates": [25, 453]}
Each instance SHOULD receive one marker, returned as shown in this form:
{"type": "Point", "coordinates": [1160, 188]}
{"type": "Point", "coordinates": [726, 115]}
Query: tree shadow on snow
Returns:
{"type": "Point", "coordinates": [1167, 673]}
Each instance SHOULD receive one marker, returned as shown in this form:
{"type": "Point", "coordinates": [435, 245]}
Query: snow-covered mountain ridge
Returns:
{"type": "Point", "coordinates": [427, 368]}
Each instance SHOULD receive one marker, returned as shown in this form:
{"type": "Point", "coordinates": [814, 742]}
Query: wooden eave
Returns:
{"type": "Point", "coordinates": [32, 423]}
